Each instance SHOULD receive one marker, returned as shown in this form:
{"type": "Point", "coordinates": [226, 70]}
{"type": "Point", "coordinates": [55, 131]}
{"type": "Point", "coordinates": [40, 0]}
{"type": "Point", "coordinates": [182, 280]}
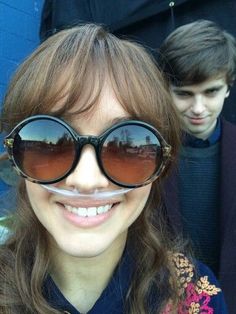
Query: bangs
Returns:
{"type": "Point", "coordinates": [76, 92]}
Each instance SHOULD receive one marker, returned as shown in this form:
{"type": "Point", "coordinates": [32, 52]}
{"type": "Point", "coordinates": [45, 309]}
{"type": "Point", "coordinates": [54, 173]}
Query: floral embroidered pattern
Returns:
{"type": "Point", "coordinates": [196, 294]}
{"type": "Point", "coordinates": [203, 285]}
{"type": "Point", "coordinates": [184, 269]}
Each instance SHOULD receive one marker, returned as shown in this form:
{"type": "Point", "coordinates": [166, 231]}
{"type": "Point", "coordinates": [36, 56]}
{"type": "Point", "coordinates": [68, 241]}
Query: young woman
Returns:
{"type": "Point", "coordinates": [92, 131]}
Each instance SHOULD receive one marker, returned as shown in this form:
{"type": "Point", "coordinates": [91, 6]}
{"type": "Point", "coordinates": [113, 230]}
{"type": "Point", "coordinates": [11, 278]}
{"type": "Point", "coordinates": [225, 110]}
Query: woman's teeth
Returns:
{"type": "Point", "coordinates": [88, 211]}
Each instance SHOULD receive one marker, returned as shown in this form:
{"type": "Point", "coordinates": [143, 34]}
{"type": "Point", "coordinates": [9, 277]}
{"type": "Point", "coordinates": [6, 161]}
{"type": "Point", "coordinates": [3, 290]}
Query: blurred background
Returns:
{"type": "Point", "coordinates": [19, 35]}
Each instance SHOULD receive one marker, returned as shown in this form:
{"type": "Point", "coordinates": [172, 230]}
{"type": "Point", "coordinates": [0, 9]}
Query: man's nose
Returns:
{"type": "Point", "coordinates": [198, 104]}
{"type": "Point", "coordinates": [87, 176]}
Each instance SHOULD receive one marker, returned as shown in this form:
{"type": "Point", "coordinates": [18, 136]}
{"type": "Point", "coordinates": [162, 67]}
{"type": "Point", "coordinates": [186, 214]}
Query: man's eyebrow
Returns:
{"type": "Point", "coordinates": [181, 89]}
{"type": "Point", "coordinates": [218, 86]}
{"type": "Point", "coordinates": [185, 88]}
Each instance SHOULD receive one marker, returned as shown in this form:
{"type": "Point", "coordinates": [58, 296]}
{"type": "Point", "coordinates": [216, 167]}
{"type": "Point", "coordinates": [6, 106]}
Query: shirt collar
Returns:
{"type": "Point", "coordinates": [192, 141]}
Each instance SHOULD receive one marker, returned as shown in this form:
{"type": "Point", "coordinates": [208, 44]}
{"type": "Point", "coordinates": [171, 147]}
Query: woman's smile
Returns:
{"type": "Point", "coordinates": [88, 211]}
{"type": "Point", "coordinates": [88, 215]}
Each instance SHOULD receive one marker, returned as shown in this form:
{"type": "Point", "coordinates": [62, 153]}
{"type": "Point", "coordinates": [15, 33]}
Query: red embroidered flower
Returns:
{"type": "Point", "coordinates": [195, 302]}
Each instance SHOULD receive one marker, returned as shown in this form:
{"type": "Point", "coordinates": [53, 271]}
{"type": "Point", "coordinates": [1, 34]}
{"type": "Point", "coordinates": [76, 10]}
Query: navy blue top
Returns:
{"type": "Point", "coordinates": [207, 297]}
{"type": "Point", "coordinates": [199, 187]}
{"type": "Point", "coordinates": [112, 299]}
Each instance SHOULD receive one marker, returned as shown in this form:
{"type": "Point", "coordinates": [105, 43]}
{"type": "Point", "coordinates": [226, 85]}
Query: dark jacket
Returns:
{"type": "Point", "coordinates": [146, 21]}
{"type": "Point", "coordinates": [227, 274]}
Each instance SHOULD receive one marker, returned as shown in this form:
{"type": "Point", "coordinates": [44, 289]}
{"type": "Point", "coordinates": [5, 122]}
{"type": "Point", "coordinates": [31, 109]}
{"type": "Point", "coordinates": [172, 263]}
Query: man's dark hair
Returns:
{"type": "Point", "coordinates": [198, 51]}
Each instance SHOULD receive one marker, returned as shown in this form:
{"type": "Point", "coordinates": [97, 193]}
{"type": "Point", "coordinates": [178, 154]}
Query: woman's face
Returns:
{"type": "Point", "coordinates": [63, 218]}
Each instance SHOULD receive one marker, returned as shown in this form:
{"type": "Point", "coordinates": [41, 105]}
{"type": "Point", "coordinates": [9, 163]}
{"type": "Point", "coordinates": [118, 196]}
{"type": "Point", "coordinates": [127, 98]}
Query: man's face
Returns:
{"type": "Point", "coordinates": [200, 105]}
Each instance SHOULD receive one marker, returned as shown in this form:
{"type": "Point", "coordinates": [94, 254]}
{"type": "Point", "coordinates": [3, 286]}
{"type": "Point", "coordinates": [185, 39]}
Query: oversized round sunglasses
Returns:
{"type": "Point", "coordinates": [44, 149]}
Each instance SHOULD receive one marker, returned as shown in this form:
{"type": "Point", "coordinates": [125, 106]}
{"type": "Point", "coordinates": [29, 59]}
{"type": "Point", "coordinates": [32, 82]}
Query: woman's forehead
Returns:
{"type": "Point", "coordinates": [105, 110]}
{"type": "Point", "coordinates": [100, 96]}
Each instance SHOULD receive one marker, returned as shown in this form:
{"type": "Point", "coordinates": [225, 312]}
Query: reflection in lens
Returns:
{"type": "Point", "coordinates": [131, 154]}
{"type": "Point", "coordinates": [44, 150]}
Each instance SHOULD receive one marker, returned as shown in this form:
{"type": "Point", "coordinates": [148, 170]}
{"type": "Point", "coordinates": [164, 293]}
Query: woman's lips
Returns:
{"type": "Point", "coordinates": [85, 216]}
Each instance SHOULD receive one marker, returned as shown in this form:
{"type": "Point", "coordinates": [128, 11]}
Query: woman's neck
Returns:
{"type": "Point", "coordinates": [82, 280]}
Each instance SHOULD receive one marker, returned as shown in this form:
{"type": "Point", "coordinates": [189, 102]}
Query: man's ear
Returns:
{"type": "Point", "coordinates": [228, 92]}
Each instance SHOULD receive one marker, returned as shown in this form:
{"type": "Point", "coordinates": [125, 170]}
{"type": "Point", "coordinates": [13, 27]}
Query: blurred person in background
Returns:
{"type": "Point", "coordinates": [199, 62]}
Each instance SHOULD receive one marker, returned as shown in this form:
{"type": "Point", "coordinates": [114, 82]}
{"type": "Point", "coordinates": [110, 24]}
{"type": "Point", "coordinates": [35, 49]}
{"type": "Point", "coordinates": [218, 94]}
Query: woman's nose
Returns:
{"type": "Point", "coordinates": [87, 176]}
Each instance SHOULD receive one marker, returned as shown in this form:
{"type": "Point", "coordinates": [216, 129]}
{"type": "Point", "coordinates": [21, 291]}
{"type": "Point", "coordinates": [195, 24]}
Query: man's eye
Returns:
{"type": "Point", "coordinates": [211, 92]}
{"type": "Point", "coordinates": [182, 94]}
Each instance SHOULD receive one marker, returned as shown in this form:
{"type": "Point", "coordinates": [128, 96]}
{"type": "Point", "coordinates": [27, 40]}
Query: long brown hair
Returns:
{"type": "Point", "coordinates": [70, 67]}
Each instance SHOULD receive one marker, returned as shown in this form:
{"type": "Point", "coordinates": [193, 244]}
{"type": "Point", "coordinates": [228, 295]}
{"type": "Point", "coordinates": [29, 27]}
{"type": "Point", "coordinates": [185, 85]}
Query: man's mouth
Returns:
{"type": "Point", "coordinates": [196, 120]}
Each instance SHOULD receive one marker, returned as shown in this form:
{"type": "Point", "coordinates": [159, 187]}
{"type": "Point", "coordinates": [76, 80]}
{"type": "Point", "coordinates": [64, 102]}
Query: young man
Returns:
{"type": "Point", "coordinates": [199, 61]}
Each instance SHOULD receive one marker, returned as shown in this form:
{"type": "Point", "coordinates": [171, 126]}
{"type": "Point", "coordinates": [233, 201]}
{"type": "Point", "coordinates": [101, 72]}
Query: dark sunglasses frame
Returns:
{"type": "Point", "coordinates": [95, 141]}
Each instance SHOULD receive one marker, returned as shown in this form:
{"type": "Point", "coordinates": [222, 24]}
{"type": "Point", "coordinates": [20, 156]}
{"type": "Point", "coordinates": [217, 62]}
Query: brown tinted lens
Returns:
{"type": "Point", "coordinates": [131, 154]}
{"type": "Point", "coordinates": [44, 150]}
